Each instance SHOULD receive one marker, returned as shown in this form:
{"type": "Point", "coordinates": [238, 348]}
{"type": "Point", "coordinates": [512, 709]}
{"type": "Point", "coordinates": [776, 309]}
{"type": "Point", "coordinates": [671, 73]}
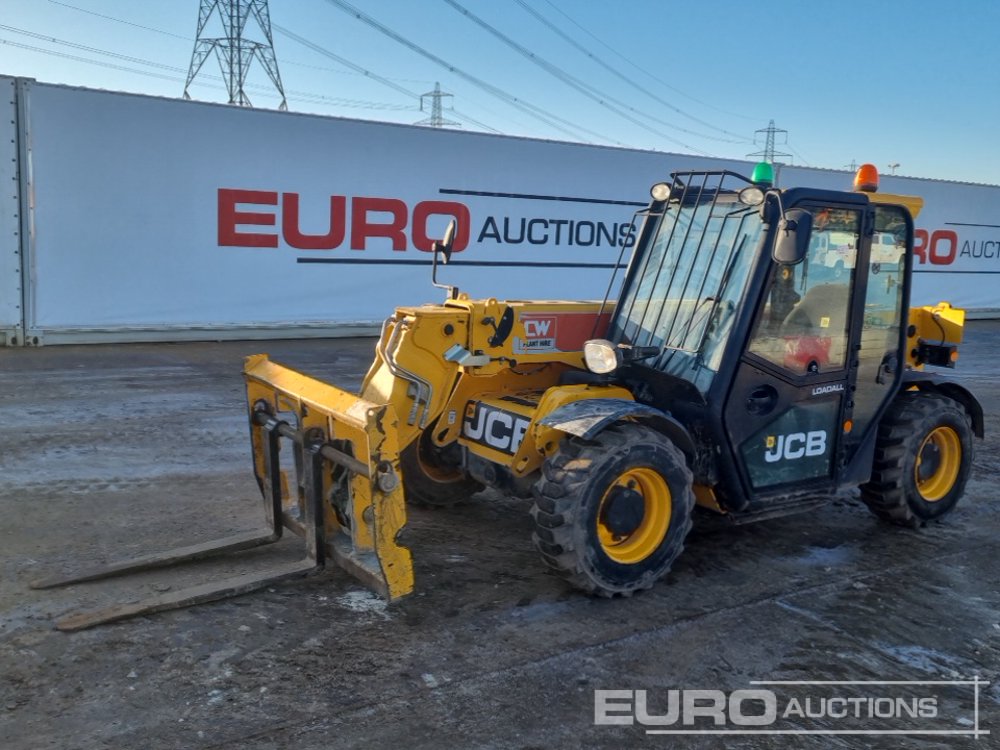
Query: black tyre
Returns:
{"type": "Point", "coordinates": [611, 515]}
{"type": "Point", "coordinates": [922, 459]}
{"type": "Point", "coordinates": [431, 476]}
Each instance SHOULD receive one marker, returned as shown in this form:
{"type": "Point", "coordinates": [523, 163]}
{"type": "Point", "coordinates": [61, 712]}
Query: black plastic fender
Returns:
{"type": "Point", "coordinates": [932, 381]}
{"type": "Point", "coordinates": [587, 417]}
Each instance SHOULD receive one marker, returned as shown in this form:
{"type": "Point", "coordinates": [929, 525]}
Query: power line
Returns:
{"type": "Point", "coordinates": [389, 82]}
{"type": "Point", "coordinates": [299, 95]}
{"type": "Point", "coordinates": [554, 121]}
{"type": "Point", "coordinates": [307, 96]}
{"type": "Point", "coordinates": [618, 74]}
{"type": "Point", "coordinates": [602, 99]}
{"type": "Point", "coordinates": [85, 48]}
{"type": "Point", "coordinates": [374, 76]}
{"type": "Point", "coordinates": [119, 20]}
{"type": "Point", "coordinates": [800, 156]}
{"type": "Point", "coordinates": [189, 40]}
{"type": "Point", "coordinates": [77, 58]}
{"type": "Point", "coordinates": [640, 68]}
{"type": "Point", "coordinates": [266, 92]}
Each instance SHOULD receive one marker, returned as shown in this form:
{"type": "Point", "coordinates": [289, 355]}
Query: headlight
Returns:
{"type": "Point", "coordinates": [601, 356]}
{"type": "Point", "coordinates": [660, 192]}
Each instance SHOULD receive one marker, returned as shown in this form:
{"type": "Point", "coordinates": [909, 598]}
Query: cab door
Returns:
{"type": "Point", "coordinates": [790, 403]}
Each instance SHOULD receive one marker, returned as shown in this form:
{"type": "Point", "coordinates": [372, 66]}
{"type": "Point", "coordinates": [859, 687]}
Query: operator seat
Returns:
{"type": "Point", "coordinates": [816, 328]}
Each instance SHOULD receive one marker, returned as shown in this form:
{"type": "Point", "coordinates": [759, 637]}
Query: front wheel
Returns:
{"type": "Point", "coordinates": [432, 478]}
{"type": "Point", "coordinates": [611, 514]}
{"type": "Point", "coordinates": [923, 458]}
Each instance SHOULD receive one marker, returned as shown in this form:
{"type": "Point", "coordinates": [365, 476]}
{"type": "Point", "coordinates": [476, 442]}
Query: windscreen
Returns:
{"type": "Point", "coordinates": [690, 277]}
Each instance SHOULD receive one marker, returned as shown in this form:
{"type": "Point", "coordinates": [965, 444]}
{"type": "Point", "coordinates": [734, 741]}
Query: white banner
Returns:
{"type": "Point", "coordinates": [957, 243]}
{"type": "Point", "coordinates": [159, 214]}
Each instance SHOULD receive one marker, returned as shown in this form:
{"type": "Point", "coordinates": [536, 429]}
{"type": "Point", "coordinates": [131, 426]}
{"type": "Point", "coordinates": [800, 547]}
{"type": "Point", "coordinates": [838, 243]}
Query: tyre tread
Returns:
{"type": "Point", "coordinates": [565, 476]}
{"type": "Point", "coordinates": [886, 493]}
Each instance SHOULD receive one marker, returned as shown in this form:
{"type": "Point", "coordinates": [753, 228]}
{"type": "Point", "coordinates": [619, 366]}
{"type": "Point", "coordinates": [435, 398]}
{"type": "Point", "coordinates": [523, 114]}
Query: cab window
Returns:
{"type": "Point", "coordinates": [805, 322]}
{"type": "Point", "coordinates": [880, 356]}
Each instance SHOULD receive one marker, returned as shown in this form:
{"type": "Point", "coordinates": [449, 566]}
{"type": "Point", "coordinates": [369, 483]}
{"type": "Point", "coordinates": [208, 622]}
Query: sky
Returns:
{"type": "Point", "coordinates": [912, 87]}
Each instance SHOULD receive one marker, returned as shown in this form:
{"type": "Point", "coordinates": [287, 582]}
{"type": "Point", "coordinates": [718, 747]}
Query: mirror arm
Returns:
{"type": "Point", "coordinates": [452, 290]}
{"type": "Point", "coordinates": [444, 247]}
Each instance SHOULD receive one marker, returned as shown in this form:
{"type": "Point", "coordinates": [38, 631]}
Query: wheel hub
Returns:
{"type": "Point", "coordinates": [930, 461]}
{"type": "Point", "coordinates": [623, 511]}
{"type": "Point", "coordinates": [939, 461]}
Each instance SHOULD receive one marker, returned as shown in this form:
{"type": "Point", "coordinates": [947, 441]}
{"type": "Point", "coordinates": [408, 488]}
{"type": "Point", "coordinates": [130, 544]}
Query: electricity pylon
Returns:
{"type": "Point", "coordinates": [769, 133]}
{"type": "Point", "coordinates": [436, 120]}
{"type": "Point", "coordinates": [233, 50]}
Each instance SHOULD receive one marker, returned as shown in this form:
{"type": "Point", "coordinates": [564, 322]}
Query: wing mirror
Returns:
{"type": "Point", "coordinates": [792, 241]}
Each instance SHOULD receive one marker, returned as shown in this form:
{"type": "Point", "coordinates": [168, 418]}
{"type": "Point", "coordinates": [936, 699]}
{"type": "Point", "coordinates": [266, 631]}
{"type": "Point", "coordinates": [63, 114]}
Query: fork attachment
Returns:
{"type": "Point", "coordinates": [361, 496]}
{"type": "Point", "coordinates": [347, 504]}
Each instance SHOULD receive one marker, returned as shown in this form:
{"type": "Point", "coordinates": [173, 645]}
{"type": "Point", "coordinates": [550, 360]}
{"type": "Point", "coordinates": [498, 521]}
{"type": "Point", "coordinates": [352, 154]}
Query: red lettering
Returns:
{"type": "Point", "coordinates": [362, 229]}
{"type": "Point", "coordinates": [294, 236]}
{"type": "Point", "coordinates": [920, 245]}
{"type": "Point", "coordinates": [946, 257]}
{"type": "Point", "coordinates": [390, 221]}
{"type": "Point", "coordinates": [230, 218]}
{"type": "Point", "coordinates": [928, 249]}
{"type": "Point", "coordinates": [424, 210]}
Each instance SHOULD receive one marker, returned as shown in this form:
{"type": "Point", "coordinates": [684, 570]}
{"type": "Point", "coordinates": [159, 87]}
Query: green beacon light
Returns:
{"type": "Point", "coordinates": [763, 174]}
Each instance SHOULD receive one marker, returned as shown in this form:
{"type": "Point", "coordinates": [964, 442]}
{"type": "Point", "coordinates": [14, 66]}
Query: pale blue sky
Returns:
{"type": "Point", "coordinates": [915, 83]}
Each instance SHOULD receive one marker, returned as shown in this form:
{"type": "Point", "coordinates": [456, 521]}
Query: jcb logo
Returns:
{"type": "Point", "coordinates": [494, 427]}
{"type": "Point", "coordinates": [796, 445]}
{"type": "Point", "coordinates": [538, 328]}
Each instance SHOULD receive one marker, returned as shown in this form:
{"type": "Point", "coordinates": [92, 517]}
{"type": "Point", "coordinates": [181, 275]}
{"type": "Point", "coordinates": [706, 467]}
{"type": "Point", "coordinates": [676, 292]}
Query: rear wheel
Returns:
{"type": "Point", "coordinates": [432, 477]}
{"type": "Point", "coordinates": [611, 514]}
{"type": "Point", "coordinates": [922, 459]}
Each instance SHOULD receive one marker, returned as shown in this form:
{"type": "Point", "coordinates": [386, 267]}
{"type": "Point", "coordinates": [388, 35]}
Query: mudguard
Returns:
{"type": "Point", "coordinates": [932, 381]}
{"type": "Point", "coordinates": [586, 418]}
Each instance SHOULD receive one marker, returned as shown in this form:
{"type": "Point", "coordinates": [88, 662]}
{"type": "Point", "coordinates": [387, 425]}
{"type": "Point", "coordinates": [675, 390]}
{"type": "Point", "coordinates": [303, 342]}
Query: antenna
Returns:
{"type": "Point", "coordinates": [435, 120]}
{"type": "Point", "coordinates": [768, 134]}
{"type": "Point", "coordinates": [233, 50]}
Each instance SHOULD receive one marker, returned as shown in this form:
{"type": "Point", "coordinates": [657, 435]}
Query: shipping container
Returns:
{"type": "Point", "coordinates": [141, 218]}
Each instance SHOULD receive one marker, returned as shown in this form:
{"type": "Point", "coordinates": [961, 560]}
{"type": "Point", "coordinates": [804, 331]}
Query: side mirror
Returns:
{"type": "Point", "coordinates": [442, 250]}
{"type": "Point", "coordinates": [445, 244]}
{"type": "Point", "coordinates": [792, 241]}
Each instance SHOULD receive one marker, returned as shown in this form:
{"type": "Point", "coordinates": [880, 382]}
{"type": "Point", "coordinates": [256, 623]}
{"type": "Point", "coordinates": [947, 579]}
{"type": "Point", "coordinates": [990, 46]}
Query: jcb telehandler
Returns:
{"type": "Point", "coordinates": [735, 370]}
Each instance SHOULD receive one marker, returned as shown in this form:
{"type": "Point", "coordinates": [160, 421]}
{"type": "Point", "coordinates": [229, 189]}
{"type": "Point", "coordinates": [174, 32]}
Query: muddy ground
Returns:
{"type": "Point", "coordinates": [108, 451]}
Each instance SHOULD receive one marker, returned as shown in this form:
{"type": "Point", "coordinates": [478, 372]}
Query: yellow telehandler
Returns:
{"type": "Point", "coordinates": [735, 369]}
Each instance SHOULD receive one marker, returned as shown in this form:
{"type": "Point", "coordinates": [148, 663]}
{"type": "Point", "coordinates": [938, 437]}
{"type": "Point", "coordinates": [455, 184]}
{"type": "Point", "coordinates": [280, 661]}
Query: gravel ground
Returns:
{"type": "Point", "coordinates": [110, 451]}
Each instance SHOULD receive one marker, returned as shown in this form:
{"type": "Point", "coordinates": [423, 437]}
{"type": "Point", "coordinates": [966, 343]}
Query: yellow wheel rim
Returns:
{"type": "Point", "coordinates": [422, 448]}
{"type": "Point", "coordinates": [437, 473]}
{"type": "Point", "coordinates": [649, 534]}
{"type": "Point", "coordinates": [939, 460]}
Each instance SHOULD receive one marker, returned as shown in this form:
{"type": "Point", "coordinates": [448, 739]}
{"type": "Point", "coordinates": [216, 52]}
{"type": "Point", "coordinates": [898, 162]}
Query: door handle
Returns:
{"type": "Point", "coordinates": [761, 400]}
{"type": "Point", "coordinates": [886, 369]}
